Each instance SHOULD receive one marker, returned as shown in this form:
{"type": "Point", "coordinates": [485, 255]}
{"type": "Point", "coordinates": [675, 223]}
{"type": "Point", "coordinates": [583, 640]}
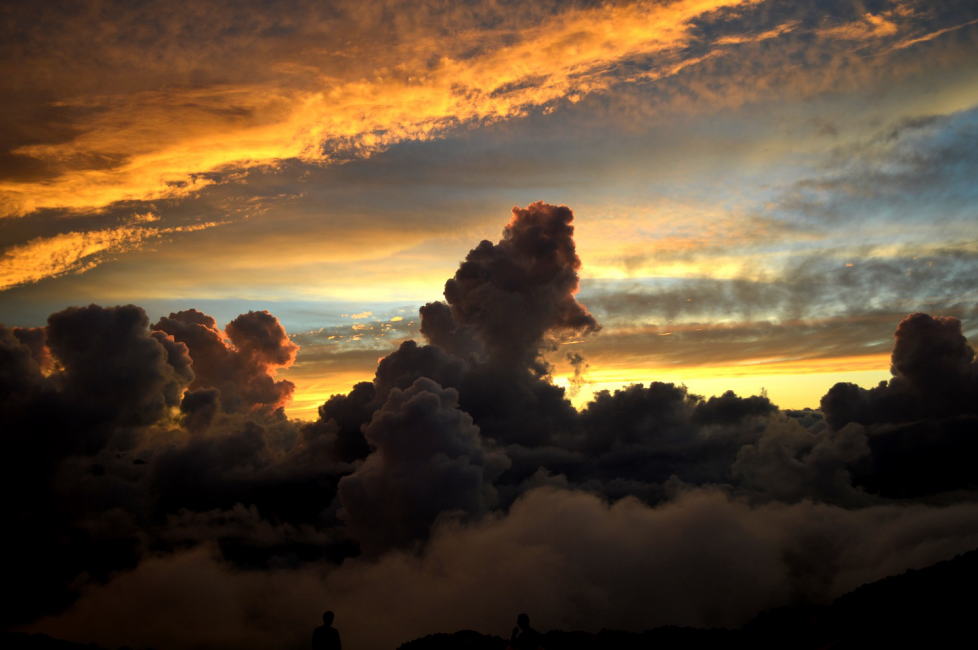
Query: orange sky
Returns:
{"type": "Point", "coordinates": [753, 208]}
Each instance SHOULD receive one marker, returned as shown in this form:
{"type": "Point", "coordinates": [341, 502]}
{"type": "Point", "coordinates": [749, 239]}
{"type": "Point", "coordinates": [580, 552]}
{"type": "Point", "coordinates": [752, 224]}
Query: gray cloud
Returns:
{"type": "Point", "coordinates": [428, 461]}
{"type": "Point", "coordinates": [460, 485]}
{"type": "Point", "coordinates": [568, 557]}
{"type": "Point", "coordinates": [840, 282]}
{"type": "Point", "coordinates": [917, 166]}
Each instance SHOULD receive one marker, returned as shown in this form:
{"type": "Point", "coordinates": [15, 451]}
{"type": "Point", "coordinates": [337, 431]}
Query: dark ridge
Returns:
{"type": "Point", "coordinates": [926, 608]}
{"type": "Point", "coordinates": [461, 640]}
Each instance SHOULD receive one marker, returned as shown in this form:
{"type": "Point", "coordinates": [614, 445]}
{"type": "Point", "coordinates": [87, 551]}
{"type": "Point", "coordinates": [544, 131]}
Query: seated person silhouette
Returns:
{"type": "Point", "coordinates": [325, 637]}
{"type": "Point", "coordinates": [524, 637]}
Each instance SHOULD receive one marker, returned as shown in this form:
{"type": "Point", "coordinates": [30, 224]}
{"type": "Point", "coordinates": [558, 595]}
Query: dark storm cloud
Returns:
{"type": "Point", "coordinates": [478, 344]}
{"type": "Point", "coordinates": [341, 418]}
{"type": "Point", "coordinates": [639, 439]}
{"type": "Point", "coordinates": [91, 373]}
{"type": "Point", "coordinates": [20, 371]}
{"type": "Point", "coordinates": [934, 375]}
{"type": "Point", "coordinates": [90, 411]}
{"type": "Point", "coordinates": [935, 359]}
{"type": "Point", "coordinates": [239, 361]}
{"type": "Point", "coordinates": [265, 464]}
{"type": "Point", "coordinates": [412, 361]}
{"type": "Point", "coordinates": [199, 408]}
{"type": "Point", "coordinates": [531, 271]}
{"type": "Point", "coordinates": [463, 479]}
{"type": "Point", "coordinates": [438, 326]}
{"type": "Point", "coordinates": [35, 338]}
{"type": "Point", "coordinates": [101, 376]}
{"type": "Point", "coordinates": [789, 463]}
{"type": "Point", "coordinates": [93, 343]}
{"type": "Point", "coordinates": [921, 422]}
{"type": "Point", "coordinates": [428, 461]}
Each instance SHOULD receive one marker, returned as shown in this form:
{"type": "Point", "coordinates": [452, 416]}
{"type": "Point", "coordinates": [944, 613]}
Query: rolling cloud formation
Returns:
{"type": "Point", "coordinates": [459, 486]}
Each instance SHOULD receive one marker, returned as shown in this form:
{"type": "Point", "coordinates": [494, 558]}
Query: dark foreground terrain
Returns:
{"type": "Point", "coordinates": [935, 607]}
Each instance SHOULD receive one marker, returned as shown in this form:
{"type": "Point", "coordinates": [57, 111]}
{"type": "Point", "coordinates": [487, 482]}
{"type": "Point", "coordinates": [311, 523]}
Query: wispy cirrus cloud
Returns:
{"type": "Point", "coordinates": [77, 252]}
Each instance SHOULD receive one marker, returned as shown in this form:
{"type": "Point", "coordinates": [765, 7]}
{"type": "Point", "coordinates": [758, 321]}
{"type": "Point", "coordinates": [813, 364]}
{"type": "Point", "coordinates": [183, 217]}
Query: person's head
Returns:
{"type": "Point", "coordinates": [327, 618]}
{"type": "Point", "coordinates": [523, 621]}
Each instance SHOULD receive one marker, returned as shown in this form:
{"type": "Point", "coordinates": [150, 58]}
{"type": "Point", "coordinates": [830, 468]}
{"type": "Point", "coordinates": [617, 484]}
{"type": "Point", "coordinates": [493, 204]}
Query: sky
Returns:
{"type": "Point", "coordinates": [760, 189]}
{"type": "Point", "coordinates": [431, 312]}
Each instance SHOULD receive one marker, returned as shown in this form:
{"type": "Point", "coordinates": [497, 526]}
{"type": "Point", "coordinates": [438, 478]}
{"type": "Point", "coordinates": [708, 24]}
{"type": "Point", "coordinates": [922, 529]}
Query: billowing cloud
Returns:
{"type": "Point", "coordinates": [241, 360]}
{"type": "Point", "coordinates": [427, 462]}
{"type": "Point", "coordinates": [934, 375]}
{"type": "Point", "coordinates": [94, 379]}
{"type": "Point", "coordinates": [531, 271]}
{"type": "Point", "coordinates": [459, 486]}
{"type": "Point", "coordinates": [571, 559]}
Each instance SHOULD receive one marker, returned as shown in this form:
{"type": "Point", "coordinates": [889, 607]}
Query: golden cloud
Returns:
{"type": "Point", "coordinates": [170, 142]}
{"type": "Point", "coordinates": [76, 252]}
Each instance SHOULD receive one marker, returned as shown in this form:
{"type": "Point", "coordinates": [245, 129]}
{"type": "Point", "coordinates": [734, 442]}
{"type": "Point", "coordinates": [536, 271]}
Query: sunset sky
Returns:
{"type": "Point", "coordinates": [760, 189]}
{"type": "Point", "coordinates": [433, 312]}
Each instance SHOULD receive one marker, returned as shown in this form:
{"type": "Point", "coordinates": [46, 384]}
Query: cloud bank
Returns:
{"type": "Point", "coordinates": [183, 509]}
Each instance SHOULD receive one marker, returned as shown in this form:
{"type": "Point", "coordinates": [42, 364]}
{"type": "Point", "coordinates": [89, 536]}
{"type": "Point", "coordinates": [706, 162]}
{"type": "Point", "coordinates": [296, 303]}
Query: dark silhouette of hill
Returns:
{"type": "Point", "coordinates": [926, 608]}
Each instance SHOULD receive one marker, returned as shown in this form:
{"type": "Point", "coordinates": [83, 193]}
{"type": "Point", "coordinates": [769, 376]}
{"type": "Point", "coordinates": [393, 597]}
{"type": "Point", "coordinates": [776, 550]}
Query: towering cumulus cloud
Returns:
{"type": "Point", "coordinates": [531, 272]}
{"type": "Point", "coordinates": [506, 303]}
{"type": "Point", "coordinates": [240, 361]}
{"type": "Point", "coordinates": [459, 485]}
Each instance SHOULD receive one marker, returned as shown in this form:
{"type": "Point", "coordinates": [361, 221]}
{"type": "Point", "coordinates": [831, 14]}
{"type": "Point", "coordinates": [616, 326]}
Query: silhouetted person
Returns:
{"type": "Point", "coordinates": [325, 637]}
{"type": "Point", "coordinates": [524, 637]}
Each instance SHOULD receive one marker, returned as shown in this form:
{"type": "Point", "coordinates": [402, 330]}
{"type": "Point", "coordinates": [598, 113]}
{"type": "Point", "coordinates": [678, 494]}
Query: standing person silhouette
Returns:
{"type": "Point", "coordinates": [524, 637]}
{"type": "Point", "coordinates": [326, 637]}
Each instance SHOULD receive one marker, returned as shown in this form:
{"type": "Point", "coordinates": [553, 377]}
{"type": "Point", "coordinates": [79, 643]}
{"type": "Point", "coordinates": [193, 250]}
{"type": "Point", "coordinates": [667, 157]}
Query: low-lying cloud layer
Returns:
{"type": "Point", "coordinates": [181, 508]}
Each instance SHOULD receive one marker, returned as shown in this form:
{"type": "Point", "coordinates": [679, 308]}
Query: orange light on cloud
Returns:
{"type": "Point", "coordinates": [77, 252]}
{"type": "Point", "coordinates": [166, 141]}
{"type": "Point", "coordinates": [871, 26]}
{"type": "Point", "coordinates": [932, 35]}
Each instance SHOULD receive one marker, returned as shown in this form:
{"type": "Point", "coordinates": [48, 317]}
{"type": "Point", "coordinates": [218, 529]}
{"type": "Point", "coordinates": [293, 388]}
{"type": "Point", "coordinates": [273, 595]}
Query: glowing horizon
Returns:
{"type": "Point", "coordinates": [743, 175]}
